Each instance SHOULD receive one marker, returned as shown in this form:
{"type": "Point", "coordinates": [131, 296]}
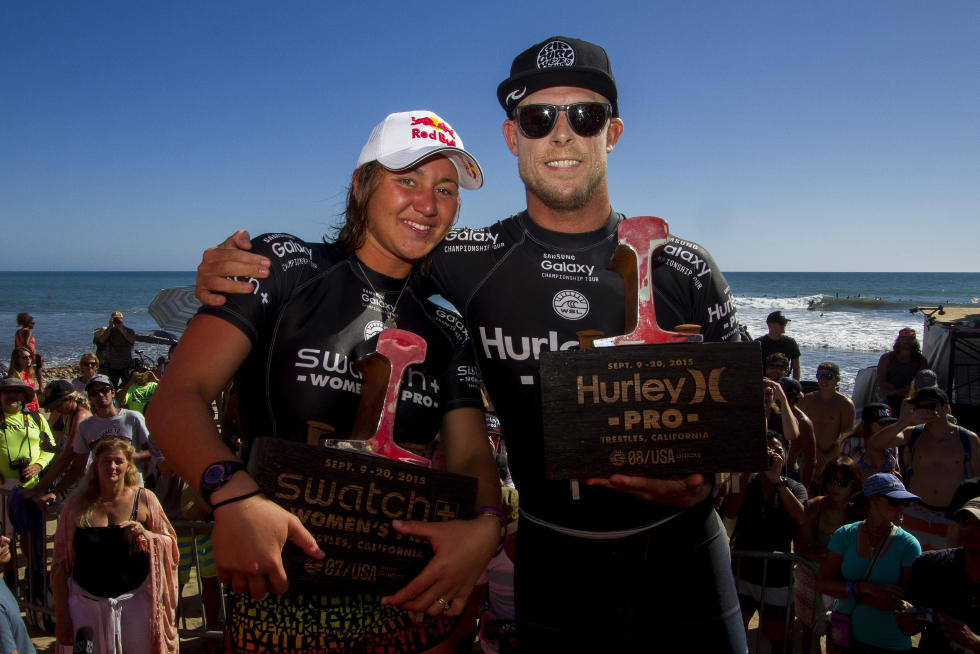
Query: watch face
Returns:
{"type": "Point", "coordinates": [213, 473]}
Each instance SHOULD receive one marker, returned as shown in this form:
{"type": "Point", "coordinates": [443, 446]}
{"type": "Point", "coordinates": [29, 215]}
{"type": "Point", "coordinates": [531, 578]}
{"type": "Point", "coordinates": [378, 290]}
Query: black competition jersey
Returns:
{"type": "Point", "coordinates": [523, 289]}
{"type": "Point", "coordinates": [313, 317]}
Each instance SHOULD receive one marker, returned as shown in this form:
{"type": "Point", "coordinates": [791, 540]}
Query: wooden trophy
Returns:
{"type": "Point", "coordinates": [346, 492]}
{"type": "Point", "coordinates": [650, 402]}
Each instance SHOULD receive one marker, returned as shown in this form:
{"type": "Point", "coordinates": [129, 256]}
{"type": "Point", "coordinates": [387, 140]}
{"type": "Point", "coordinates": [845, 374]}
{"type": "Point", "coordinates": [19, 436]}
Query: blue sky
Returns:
{"type": "Point", "coordinates": [819, 135]}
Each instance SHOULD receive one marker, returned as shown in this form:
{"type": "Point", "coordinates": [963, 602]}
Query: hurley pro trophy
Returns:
{"type": "Point", "coordinates": [650, 402]}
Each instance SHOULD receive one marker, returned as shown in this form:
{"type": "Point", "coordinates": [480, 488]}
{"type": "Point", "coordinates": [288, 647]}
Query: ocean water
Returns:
{"type": "Point", "coordinates": [848, 318]}
{"type": "Point", "coordinates": [68, 306]}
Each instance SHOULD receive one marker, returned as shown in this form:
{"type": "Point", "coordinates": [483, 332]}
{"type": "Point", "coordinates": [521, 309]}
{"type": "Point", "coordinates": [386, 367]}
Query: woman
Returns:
{"type": "Point", "coordinates": [115, 560]}
{"type": "Point", "coordinates": [833, 507]}
{"type": "Point", "coordinates": [88, 366]}
{"type": "Point", "coordinates": [896, 369]}
{"type": "Point", "coordinates": [291, 345]}
{"type": "Point", "coordinates": [22, 367]}
{"type": "Point", "coordinates": [867, 567]}
{"type": "Point", "coordinates": [25, 447]}
{"type": "Point", "coordinates": [24, 336]}
{"type": "Point", "coordinates": [60, 398]}
{"type": "Point", "coordinates": [858, 445]}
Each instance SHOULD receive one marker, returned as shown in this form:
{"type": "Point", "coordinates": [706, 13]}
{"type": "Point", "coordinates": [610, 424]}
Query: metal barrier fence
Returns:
{"type": "Point", "coordinates": [36, 599]}
{"type": "Point", "coordinates": [815, 598]}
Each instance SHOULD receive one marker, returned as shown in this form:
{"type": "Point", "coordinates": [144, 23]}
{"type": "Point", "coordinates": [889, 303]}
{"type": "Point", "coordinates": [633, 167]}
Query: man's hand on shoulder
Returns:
{"type": "Point", "coordinates": [229, 259]}
{"type": "Point", "coordinates": [679, 491]}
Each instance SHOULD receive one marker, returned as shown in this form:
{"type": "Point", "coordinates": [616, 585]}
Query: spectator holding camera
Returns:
{"type": "Point", "coordinates": [25, 450]}
{"type": "Point", "coordinates": [118, 341]}
{"type": "Point", "coordinates": [25, 437]}
{"type": "Point", "coordinates": [943, 596]}
{"type": "Point", "coordinates": [938, 455]}
{"type": "Point", "coordinates": [770, 509]}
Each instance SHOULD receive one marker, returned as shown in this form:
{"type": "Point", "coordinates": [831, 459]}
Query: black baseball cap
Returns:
{"type": "Point", "coordinates": [558, 61]}
{"type": "Point", "coordinates": [777, 316]}
{"type": "Point", "coordinates": [930, 394]}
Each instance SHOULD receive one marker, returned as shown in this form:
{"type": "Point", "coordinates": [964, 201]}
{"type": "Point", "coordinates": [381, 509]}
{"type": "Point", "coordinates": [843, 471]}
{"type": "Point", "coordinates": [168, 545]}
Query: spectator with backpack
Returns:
{"type": "Point", "coordinates": [938, 455]}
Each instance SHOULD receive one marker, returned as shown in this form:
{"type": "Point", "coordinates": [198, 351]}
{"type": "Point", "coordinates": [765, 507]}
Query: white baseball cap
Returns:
{"type": "Point", "coordinates": [404, 139]}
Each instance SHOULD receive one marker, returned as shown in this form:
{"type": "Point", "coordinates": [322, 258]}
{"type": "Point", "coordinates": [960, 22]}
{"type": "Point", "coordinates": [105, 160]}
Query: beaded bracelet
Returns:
{"type": "Point", "coordinates": [499, 515]}
{"type": "Point", "coordinates": [235, 499]}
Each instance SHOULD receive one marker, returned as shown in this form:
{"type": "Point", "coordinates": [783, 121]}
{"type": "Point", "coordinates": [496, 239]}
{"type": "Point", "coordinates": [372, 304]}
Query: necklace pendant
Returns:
{"type": "Point", "coordinates": [390, 322]}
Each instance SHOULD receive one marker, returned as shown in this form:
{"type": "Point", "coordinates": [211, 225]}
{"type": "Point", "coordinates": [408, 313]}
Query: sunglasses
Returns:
{"type": "Point", "coordinates": [105, 390]}
{"type": "Point", "coordinates": [906, 332]}
{"type": "Point", "coordinates": [538, 120]}
{"type": "Point", "coordinates": [825, 375]}
{"type": "Point", "coordinates": [843, 482]}
{"type": "Point", "coordinates": [898, 502]}
{"type": "Point", "coordinates": [89, 363]}
{"type": "Point", "coordinates": [928, 406]}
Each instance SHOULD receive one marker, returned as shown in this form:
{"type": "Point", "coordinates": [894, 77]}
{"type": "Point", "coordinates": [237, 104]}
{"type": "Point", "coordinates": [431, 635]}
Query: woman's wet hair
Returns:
{"type": "Point", "coordinates": [24, 319]}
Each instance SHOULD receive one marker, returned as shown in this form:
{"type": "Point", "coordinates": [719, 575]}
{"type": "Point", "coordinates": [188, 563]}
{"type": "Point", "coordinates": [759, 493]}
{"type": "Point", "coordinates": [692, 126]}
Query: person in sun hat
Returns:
{"type": "Point", "coordinates": [867, 567]}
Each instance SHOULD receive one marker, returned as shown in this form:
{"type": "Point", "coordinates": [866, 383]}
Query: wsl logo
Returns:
{"type": "Point", "coordinates": [372, 329]}
{"type": "Point", "coordinates": [570, 305]}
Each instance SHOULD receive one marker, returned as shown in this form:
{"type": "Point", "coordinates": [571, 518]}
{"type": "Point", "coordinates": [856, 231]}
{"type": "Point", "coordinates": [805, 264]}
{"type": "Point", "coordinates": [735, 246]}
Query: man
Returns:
{"type": "Point", "coordinates": [769, 510]}
{"type": "Point", "coordinates": [897, 369]}
{"type": "Point", "coordinates": [117, 339]}
{"type": "Point", "coordinates": [805, 445]}
{"type": "Point", "coordinates": [831, 412]}
{"type": "Point", "coordinates": [777, 341]}
{"type": "Point", "coordinates": [107, 420]}
{"type": "Point", "coordinates": [135, 394]}
{"type": "Point", "coordinates": [14, 638]}
{"type": "Point", "coordinates": [938, 456]}
{"type": "Point", "coordinates": [777, 366]}
{"type": "Point", "coordinates": [947, 583]}
{"type": "Point", "coordinates": [635, 560]}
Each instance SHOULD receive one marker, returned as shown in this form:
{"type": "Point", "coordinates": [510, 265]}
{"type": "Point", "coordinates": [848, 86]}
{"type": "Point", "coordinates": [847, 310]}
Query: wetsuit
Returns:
{"type": "Point", "coordinates": [594, 572]}
{"type": "Point", "coordinates": [308, 323]}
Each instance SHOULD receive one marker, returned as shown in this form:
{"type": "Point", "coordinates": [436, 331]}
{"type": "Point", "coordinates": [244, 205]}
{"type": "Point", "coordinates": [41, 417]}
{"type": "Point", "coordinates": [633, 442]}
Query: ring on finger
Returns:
{"type": "Point", "coordinates": [445, 604]}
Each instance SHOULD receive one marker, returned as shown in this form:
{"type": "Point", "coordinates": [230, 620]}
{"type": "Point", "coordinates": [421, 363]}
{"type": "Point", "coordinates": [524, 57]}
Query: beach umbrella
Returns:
{"type": "Point", "coordinates": [155, 336]}
{"type": "Point", "coordinates": [172, 308]}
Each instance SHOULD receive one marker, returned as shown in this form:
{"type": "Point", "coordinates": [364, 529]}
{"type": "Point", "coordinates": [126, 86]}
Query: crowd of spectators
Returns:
{"type": "Point", "coordinates": [881, 510]}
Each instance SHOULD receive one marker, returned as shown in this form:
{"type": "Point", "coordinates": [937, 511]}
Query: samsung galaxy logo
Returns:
{"type": "Point", "coordinates": [568, 267]}
{"type": "Point", "coordinates": [471, 235]}
{"type": "Point", "coordinates": [290, 247]}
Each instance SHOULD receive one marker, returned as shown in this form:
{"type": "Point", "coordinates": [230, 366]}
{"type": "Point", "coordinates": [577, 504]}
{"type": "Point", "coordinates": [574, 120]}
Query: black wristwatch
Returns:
{"type": "Point", "coordinates": [217, 475]}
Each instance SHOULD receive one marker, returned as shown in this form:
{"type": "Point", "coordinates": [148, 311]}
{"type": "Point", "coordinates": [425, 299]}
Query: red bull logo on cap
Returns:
{"type": "Point", "coordinates": [438, 133]}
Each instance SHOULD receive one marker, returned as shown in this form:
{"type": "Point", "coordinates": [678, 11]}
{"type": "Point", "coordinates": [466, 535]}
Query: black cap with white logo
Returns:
{"type": "Point", "coordinates": [558, 61]}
